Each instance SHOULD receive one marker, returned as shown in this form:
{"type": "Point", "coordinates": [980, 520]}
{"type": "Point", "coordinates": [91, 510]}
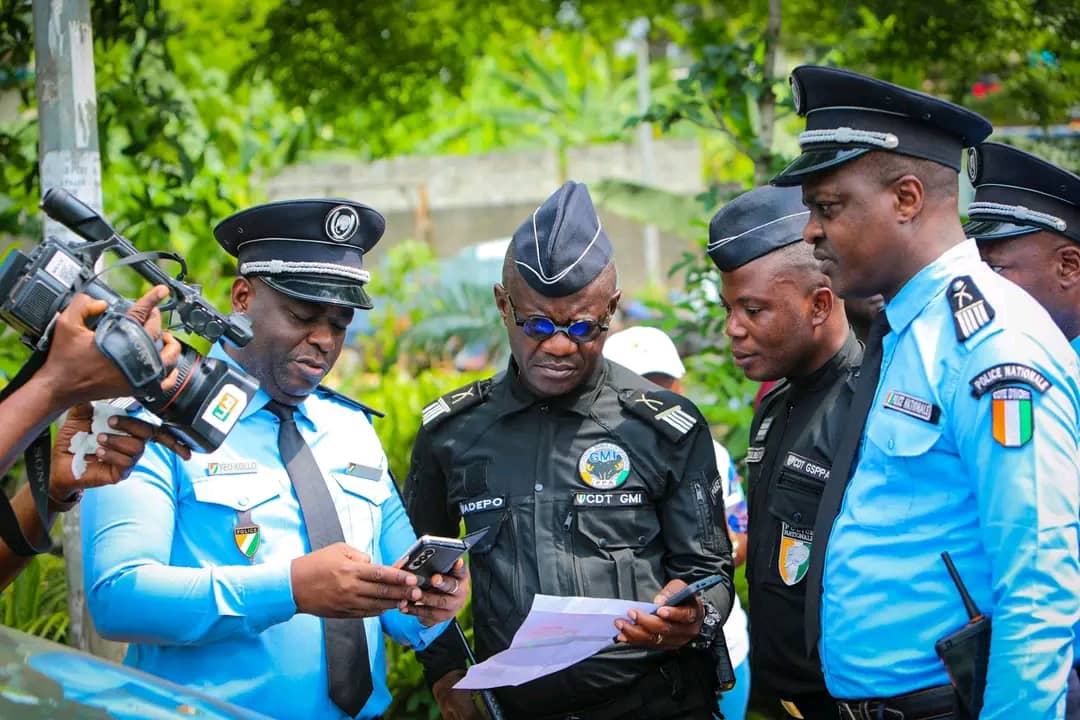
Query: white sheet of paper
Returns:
{"type": "Point", "coordinates": [558, 632]}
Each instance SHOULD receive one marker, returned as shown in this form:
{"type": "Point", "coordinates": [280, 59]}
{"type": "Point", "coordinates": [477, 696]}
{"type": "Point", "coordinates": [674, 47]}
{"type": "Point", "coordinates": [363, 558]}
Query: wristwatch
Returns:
{"type": "Point", "coordinates": [710, 626]}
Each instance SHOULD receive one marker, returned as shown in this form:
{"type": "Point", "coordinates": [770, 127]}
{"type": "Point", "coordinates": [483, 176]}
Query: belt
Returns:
{"type": "Point", "coordinates": [928, 704]}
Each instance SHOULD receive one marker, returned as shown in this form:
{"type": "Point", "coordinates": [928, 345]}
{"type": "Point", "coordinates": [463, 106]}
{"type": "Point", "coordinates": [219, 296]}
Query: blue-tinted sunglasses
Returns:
{"type": "Point", "coordinates": [541, 327]}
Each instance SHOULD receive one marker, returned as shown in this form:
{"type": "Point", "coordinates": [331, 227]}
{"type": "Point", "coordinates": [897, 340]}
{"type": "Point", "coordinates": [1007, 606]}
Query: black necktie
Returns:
{"type": "Point", "coordinates": [347, 664]}
{"type": "Point", "coordinates": [843, 466]}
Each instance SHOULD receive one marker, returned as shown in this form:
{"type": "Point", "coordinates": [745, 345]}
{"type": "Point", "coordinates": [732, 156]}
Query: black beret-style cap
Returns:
{"type": "Point", "coordinates": [309, 249]}
{"type": "Point", "coordinates": [849, 115]}
{"type": "Point", "coordinates": [1017, 193]}
{"type": "Point", "coordinates": [562, 247]}
{"type": "Point", "coordinates": [754, 224]}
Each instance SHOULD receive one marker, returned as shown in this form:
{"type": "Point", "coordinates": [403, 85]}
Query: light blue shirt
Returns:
{"type": "Point", "coordinates": [1008, 515]}
{"type": "Point", "coordinates": [163, 569]}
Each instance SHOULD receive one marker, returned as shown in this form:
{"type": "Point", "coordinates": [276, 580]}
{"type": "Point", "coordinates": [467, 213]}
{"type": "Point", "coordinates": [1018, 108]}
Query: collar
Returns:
{"type": "Point", "coordinates": [848, 355]}
{"type": "Point", "coordinates": [515, 396]}
{"type": "Point", "coordinates": [261, 396]}
{"type": "Point", "coordinates": [927, 284]}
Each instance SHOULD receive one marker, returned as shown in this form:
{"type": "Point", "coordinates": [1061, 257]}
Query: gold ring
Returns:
{"type": "Point", "coordinates": [659, 638]}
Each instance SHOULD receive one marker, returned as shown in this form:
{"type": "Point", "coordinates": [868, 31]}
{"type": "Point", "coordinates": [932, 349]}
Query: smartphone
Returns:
{"type": "Point", "coordinates": [434, 555]}
{"type": "Point", "coordinates": [694, 588]}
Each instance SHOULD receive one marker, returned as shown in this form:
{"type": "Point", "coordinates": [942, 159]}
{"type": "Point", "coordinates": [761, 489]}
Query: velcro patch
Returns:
{"type": "Point", "coordinates": [754, 454]}
{"type": "Point", "coordinates": [366, 472]}
{"type": "Point", "coordinates": [243, 467]}
{"type": "Point", "coordinates": [912, 406]}
{"type": "Point", "coordinates": [621, 498]}
{"type": "Point", "coordinates": [806, 466]}
{"type": "Point", "coordinates": [469, 507]}
{"type": "Point", "coordinates": [1006, 373]}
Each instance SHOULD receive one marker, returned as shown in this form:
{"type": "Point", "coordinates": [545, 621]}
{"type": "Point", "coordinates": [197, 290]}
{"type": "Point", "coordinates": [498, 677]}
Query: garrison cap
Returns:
{"type": "Point", "coordinates": [754, 224]}
{"type": "Point", "coordinates": [1017, 193]}
{"type": "Point", "coordinates": [562, 247]}
{"type": "Point", "coordinates": [309, 249]}
{"type": "Point", "coordinates": [849, 115]}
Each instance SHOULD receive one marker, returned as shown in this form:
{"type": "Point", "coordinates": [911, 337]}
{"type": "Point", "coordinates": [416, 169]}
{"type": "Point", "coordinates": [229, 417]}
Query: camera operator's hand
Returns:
{"type": "Point", "coordinates": [443, 601]}
{"type": "Point", "coordinates": [115, 457]}
{"type": "Point", "coordinates": [339, 581]}
{"type": "Point", "coordinates": [75, 369]}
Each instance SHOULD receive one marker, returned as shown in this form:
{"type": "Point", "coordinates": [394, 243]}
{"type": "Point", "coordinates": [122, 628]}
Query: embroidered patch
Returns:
{"type": "Point", "coordinates": [604, 466]}
{"type": "Point", "coordinates": [912, 406]}
{"type": "Point", "coordinates": [481, 505]}
{"type": "Point", "coordinates": [1011, 416]}
{"type": "Point", "coordinates": [806, 466]}
{"type": "Point", "coordinates": [970, 310]}
{"type": "Point", "coordinates": [363, 471]}
{"type": "Point", "coordinates": [763, 429]}
{"type": "Point", "coordinates": [628, 498]}
{"type": "Point", "coordinates": [247, 536]}
{"type": "Point", "coordinates": [1006, 373]}
{"type": "Point", "coordinates": [754, 454]}
{"type": "Point", "coordinates": [794, 559]}
{"type": "Point", "coordinates": [243, 467]}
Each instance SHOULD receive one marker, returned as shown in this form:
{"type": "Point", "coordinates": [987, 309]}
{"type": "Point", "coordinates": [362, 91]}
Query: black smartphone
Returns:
{"type": "Point", "coordinates": [694, 588]}
{"type": "Point", "coordinates": [434, 555]}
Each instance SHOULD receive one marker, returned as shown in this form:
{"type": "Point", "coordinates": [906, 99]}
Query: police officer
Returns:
{"type": "Point", "coordinates": [592, 482]}
{"type": "Point", "coordinates": [969, 399]}
{"type": "Point", "coordinates": [259, 572]}
{"type": "Point", "coordinates": [785, 324]}
{"type": "Point", "coordinates": [1025, 218]}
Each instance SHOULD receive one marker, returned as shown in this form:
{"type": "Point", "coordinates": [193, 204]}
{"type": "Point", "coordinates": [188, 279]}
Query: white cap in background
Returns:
{"type": "Point", "coordinates": [644, 350]}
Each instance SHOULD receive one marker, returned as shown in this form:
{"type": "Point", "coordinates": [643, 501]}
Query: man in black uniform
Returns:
{"type": "Point", "coordinates": [1025, 218]}
{"type": "Point", "coordinates": [785, 324]}
{"type": "Point", "coordinates": [592, 482]}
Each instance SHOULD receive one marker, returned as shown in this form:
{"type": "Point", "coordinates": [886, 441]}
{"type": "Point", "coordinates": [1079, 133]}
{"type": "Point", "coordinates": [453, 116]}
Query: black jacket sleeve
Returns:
{"type": "Point", "coordinates": [425, 501]}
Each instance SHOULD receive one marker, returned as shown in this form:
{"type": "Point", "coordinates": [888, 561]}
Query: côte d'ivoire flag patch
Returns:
{"type": "Point", "coordinates": [1011, 416]}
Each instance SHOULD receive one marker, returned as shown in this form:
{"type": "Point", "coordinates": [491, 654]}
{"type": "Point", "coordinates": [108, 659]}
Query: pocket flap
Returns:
{"type": "Point", "coordinates": [374, 491]}
{"type": "Point", "coordinates": [795, 500]}
{"type": "Point", "coordinates": [238, 492]}
{"type": "Point", "coordinates": [616, 528]}
{"type": "Point", "coordinates": [901, 436]}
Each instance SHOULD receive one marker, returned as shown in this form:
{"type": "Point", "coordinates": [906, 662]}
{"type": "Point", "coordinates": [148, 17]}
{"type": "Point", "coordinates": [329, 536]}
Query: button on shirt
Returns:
{"type": "Point", "coordinates": [1007, 515]}
{"type": "Point", "coordinates": [164, 570]}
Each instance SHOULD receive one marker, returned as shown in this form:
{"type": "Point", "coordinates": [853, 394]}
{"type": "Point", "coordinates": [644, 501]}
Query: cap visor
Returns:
{"type": "Point", "coordinates": [322, 290]}
{"type": "Point", "coordinates": [815, 161]}
{"type": "Point", "coordinates": [990, 230]}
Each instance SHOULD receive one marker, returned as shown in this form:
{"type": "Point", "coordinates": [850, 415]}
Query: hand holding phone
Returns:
{"type": "Point", "coordinates": [434, 555]}
{"type": "Point", "coordinates": [693, 589]}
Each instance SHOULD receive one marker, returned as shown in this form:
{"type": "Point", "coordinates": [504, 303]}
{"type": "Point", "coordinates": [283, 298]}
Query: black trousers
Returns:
{"type": "Point", "coordinates": [682, 688]}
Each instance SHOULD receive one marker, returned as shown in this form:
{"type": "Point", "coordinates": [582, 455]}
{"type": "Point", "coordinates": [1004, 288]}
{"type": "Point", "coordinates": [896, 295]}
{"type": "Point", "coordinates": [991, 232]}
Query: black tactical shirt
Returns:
{"type": "Point", "coordinates": [610, 491]}
{"type": "Point", "coordinates": [794, 434]}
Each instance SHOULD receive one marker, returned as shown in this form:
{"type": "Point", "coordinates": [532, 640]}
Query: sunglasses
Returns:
{"type": "Point", "coordinates": [541, 327]}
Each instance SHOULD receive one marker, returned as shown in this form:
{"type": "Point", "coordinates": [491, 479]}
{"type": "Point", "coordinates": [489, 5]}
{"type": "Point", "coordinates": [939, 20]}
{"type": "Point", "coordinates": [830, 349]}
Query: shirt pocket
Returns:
{"type": "Point", "coordinates": [359, 509]}
{"type": "Point", "coordinates": [217, 505]}
{"type": "Point", "coordinates": [493, 566]}
{"type": "Point", "coordinates": [615, 551]}
{"type": "Point", "coordinates": [235, 493]}
{"type": "Point", "coordinates": [793, 504]}
{"type": "Point", "coordinates": [912, 479]}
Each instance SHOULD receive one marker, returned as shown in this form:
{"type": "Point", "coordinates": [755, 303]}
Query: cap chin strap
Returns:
{"type": "Point", "coordinates": [1017, 212]}
{"type": "Point", "coordinates": [284, 267]}
{"type": "Point", "coordinates": [846, 136]}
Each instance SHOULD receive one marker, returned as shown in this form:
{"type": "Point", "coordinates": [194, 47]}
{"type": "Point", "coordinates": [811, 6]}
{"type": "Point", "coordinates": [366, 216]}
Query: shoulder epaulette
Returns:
{"type": "Point", "coordinates": [664, 410]}
{"type": "Point", "coordinates": [454, 402]}
{"type": "Point", "coordinates": [325, 392]}
{"type": "Point", "coordinates": [970, 310]}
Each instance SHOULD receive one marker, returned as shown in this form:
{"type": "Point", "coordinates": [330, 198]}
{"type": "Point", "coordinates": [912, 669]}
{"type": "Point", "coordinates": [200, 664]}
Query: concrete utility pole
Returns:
{"type": "Point", "coordinates": [639, 30]}
{"type": "Point", "coordinates": [69, 158]}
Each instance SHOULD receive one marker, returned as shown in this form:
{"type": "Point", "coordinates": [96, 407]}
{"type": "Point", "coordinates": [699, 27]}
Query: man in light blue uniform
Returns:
{"type": "Point", "coordinates": [970, 438]}
{"type": "Point", "coordinates": [259, 573]}
{"type": "Point", "coordinates": [1026, 219]}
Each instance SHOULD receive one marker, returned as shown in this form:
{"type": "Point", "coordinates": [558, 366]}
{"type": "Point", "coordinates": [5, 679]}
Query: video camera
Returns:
{"type": "Point", "coordinates": [209, 395]}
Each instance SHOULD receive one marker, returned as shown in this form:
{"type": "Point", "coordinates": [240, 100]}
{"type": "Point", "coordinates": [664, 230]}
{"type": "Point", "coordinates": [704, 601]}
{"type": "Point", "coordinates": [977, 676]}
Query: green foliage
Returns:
{"type": "Point", "coordinates": [36, 602]}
